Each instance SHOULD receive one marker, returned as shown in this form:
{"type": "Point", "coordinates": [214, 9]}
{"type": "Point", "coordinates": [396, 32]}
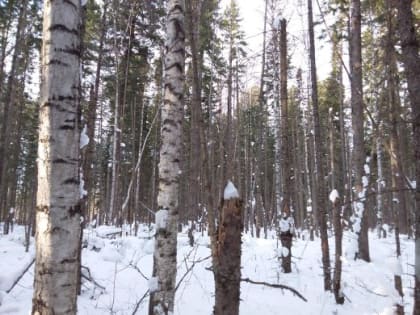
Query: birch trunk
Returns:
{"type": "Point", "coordinates": [58, 195]}
{"type": "Point", "coordinates": [162, 300]}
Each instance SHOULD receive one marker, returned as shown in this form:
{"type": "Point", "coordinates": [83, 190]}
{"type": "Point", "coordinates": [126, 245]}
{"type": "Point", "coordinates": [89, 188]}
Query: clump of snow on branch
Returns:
{"type": "Point", "coordinates": [230, 191]}
{"type": "Point", "coordinates": [153, 284]}
{"type": "Point", "coordinates": [84, 139]}
{"type": "Point", "coordinates": [161, 219]}
{"type": "Point", "coordinates": [334, 195]}
{"type": "Point", "coordinates": [286, 224]}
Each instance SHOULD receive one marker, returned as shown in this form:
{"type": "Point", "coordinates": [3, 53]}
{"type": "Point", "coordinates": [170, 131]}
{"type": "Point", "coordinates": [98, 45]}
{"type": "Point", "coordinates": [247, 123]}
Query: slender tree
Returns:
{"type": "Point", "coordinates": [360, 224]}
{"type": "Point", "coordinates": [162, 300]}
{"type": "Point", "coordinates": [411, 61]}
{"type": "Point", "coordinates": [58, 196]}
{"type": "Point", "coordinates": [319, 154]}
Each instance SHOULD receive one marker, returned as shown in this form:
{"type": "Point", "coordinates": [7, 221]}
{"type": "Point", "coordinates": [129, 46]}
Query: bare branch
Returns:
{"type": "Point", "coordinates": [274, 285]}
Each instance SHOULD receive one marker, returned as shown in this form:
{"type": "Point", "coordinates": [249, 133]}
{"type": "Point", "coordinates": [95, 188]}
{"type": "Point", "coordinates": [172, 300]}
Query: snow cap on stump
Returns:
{"type": "Point", "coordinates": [230, 191]}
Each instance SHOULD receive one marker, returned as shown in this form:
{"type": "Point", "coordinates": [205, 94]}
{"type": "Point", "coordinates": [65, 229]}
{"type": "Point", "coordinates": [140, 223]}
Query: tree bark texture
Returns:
{"type": "Point", "coordinates": [58, 195]}
{"type": "Point", "coordinates": [162, 300]}
{"type": "Point", "coordinates": [411, 61]}
{"type": "Point", "coordinates": [338, 231]}
{"type": "Point", "coordinates": [319, 157]}
{"type": "Point", "coordinates": [227, 266]}
{"type": "Point", "coordinates": [358, 156]}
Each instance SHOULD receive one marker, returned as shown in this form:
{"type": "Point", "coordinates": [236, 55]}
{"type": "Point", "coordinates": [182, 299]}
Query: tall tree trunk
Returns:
{"type": "Point", "coordinates": [358, 157]}
{"type": "Point", "coordinates": [411, 61]}
{"type": "Point", "coordinates": [58, 197]}
{"type": "Point", "coordinates": [162, 300]}
{"type": "Point", "coordinates": [286, 221]}
{"type": "Point", "coordinates": [398, 198]}
{"type": "Point", "coordinates": [319, 157]}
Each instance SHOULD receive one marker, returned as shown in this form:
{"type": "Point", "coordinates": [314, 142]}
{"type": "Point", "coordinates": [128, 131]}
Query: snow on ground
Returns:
{"type": "Point", "coordinates": [123, 265]}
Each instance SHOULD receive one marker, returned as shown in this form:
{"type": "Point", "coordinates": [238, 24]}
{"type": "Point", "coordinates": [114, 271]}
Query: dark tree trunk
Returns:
{"type": "Point", "coordinates": [227, 266]}
{"type": "Point", "coordinates": [411, 61]}
{"type": "Point", "coordinates": [338, 231]}
{"type": "Point", "coordinates": [319, 155]}
{"type": "Point", "coordinates": [358, 136]}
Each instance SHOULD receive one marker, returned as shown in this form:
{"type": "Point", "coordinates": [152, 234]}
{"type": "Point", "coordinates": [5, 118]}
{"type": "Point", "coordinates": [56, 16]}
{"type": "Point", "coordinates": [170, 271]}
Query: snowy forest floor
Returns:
{"type": "Point", "coordinates": [123, 265]}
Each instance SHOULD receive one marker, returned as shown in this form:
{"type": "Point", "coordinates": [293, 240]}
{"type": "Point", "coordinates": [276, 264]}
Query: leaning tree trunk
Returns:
{"type": "Point", "coordinates": [162, 300]}
{"type": "Point", "coordinates": [58, 196]}
{"type": "Point", "coordinates": [411, 61]}
{"type": "Point", "coordinates": [360, 225]}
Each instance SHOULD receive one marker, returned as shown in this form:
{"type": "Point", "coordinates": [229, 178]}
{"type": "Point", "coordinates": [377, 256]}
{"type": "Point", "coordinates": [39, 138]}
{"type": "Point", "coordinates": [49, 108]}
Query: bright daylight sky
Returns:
{"type": "Point", "coordinates": [252, 12]}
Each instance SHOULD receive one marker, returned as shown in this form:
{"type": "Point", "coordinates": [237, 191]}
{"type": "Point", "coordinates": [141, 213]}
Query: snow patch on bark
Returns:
{"type": "Point", "coordinates": [82, 190]}
{"type": "Point", "coordinates": [153, 284]}
{"type": "Point", "coordinates": [161, 219]}
{"type": "Point", "coordinates": [334, 195]}
{"type": "Point", "coordinates": [84, 139]}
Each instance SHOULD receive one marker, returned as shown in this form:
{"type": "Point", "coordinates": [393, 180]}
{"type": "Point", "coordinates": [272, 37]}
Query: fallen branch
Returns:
{"type": "Point", "coordinates": [20, 276]}
{"type": "Point", "coordinates": [363, 286]}
{"type": "Point", "coordinates": [277, 286]}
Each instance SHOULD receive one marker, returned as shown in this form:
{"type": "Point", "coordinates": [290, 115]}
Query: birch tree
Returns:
{"type": "Point", "coordinates": [162, 300]}
{"type": "Point", "coordinates": [58, 195]}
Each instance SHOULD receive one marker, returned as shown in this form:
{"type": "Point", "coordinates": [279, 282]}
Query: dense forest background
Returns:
{"type": "Point", "coordinates": [296, 148]}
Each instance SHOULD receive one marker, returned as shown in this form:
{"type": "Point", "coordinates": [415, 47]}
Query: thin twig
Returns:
{"type": "Point", "coordinates": [274, 285]}
{"type": "Point", "coordinates": [363, 286]}
{"type": "Point", "coordinates": [189, 269]}
{"type": "Point", "coordinates": [20, 277]}
{"type": "Point", "coordinates": [138, 270]}
{"type": "Point", "coordinates": [90, 278]}
{"type": "Point", "coordinates": [139, 302]}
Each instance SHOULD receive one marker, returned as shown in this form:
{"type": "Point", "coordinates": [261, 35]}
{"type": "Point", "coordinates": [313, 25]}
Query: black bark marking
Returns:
{"type": "Point", "coordinates": [57, 107]}
{"type": "Point", "coordinates": [68, 261]}
{"type": "Point", "coordinates": [170, 122]}
{"type": "Point", "coordinates": [63, 28]}
{"type": "Point", "coordinates": [64, 98]}
{"type": "Point", "coordinates": [179, 67]}
{"type": "Point", "coordinates": [76, 209]}
{"type": "Point", "coordinates": [71, 181]}
{"type": "Point", "coordinates": [57, 62]}
{"type": "Point", "coordinates": [66, 127]}
{"type": "Point", "coordinates": [70, 51]}
{"type": "Point", "coordinates": [63, 161]}
{"type": "Point", "coordinates": [44, 209]}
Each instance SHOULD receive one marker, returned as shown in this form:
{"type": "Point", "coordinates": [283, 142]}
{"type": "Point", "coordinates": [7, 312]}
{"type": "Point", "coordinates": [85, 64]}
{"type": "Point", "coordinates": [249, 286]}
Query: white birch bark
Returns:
{"type": "Point", "coordinates": [58, 195]}
{"type": "Point", "coordinates": [162, 300]}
